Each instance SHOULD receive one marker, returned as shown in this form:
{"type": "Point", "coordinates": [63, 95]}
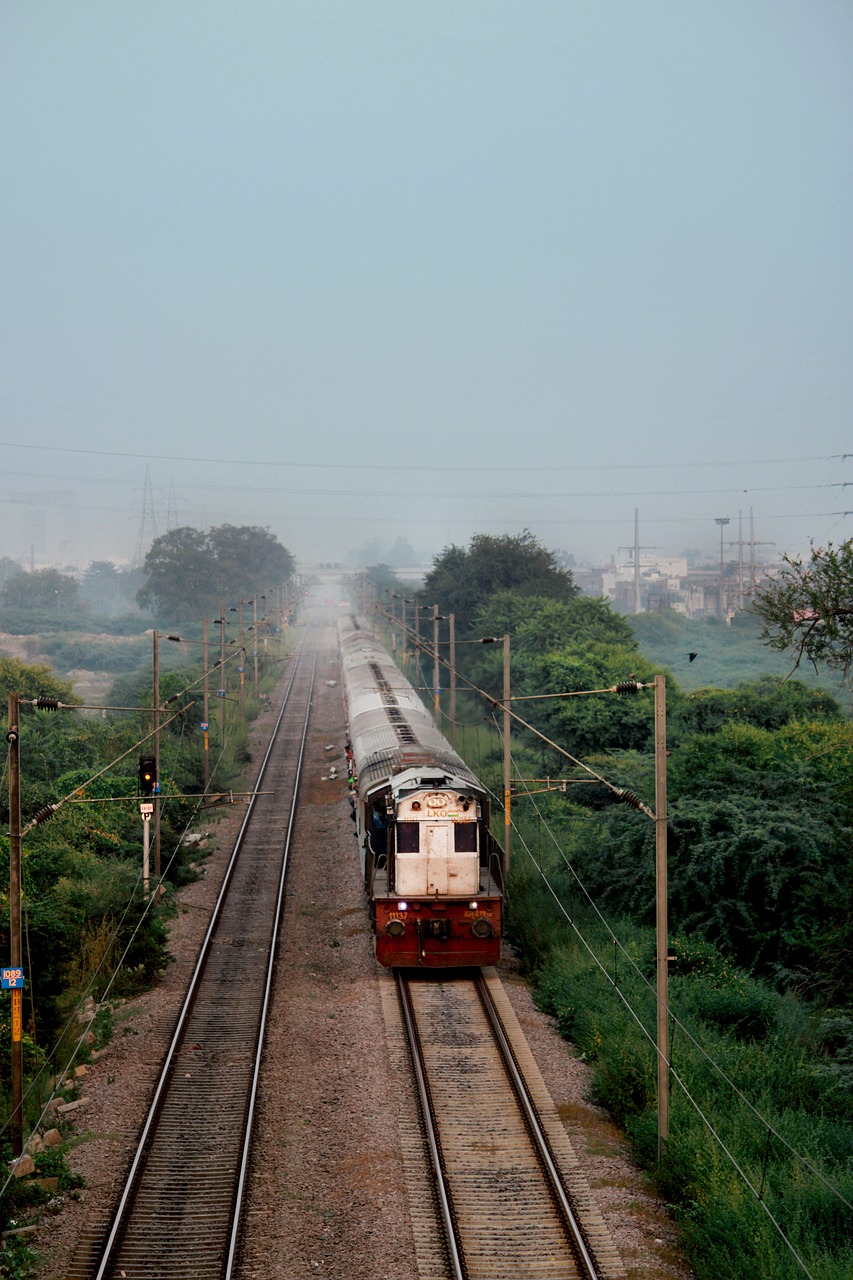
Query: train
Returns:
{"type": "Point", "coordinates": [432, 869]}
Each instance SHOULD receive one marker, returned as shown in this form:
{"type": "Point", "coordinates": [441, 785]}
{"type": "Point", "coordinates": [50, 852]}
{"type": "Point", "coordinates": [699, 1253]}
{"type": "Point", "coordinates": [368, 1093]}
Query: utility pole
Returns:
{"type": "Point", "coordinates": [417, 640]}
{"type": "Point", "coordinates": [205, 723]}
{"type": "Point", "coordinates": [451, 618]}
{"type": "Point", "coordinates": [436, 682]}
{"type": "Point", "coordinates": [636, 560]}
{"type": "Point", "coordinates": [507, 761]}
{"type": "Point", "coordinates": [405, 647]}
{"type": "Point", "coordinates": [255, 642]}
{"type": "Point", "coordinates": [740, 542]}
{"type": "Point", "coordinates": [752, 545]}
{"type": "Point", "coordinates": [740, 559]}
{"type": "Point", "coordinates": [722, 521]}
{"type": "Point", "coordinates": [13, 735]}
{"type": "Point", "coordinates": [661, 921]}
{"type": "Point", "coordinates": [242, 666]}
{"type": "Point", "coordinates": [155, 703]}
{"type": "Point", "coordinates": [264, 626]}
{"type": "Point", "coordinates": [751, 552]}
{"type": "Point", "coordinates": [223, 683]}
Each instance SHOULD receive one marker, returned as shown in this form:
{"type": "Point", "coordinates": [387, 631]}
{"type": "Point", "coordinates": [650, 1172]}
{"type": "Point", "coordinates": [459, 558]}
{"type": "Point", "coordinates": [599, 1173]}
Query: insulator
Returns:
{"type": "Point", "coordinates": [43, 703]}
{"type": "Point", "coordinates": [627, 686]}
{"type": "Point", "coordinates": [43, 814]}
{"type": "Point", "coordinates": [628, 797]}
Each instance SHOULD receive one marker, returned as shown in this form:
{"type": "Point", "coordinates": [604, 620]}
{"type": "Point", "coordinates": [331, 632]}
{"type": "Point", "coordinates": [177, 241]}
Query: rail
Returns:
{"type": "Point", "coordinates": [500, 1198]}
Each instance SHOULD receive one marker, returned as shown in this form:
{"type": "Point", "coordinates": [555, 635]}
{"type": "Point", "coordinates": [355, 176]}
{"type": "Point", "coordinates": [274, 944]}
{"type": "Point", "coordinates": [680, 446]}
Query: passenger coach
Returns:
{"type": "Point", "coordinates": [431, 867]}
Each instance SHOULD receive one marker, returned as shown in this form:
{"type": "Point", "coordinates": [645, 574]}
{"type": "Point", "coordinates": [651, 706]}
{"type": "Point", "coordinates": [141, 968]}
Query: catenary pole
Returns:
{"type": "Point", "coordinates": [223, 683]}
{"type": "Point", "coordinates": [255, 641]}
{"type": "Point", "coordinates": [206, 706]}
{"type": "Point", "coordinates": [436, 682]}
{"type": "Point", "coordinates": [451, 622]}
{"type": "Point", "coordinates": [507, 761]}
{"type": "Point", "coordinates": [15, 950]}
{"type": "Point", "coordinates": [155, 703]}
{"type": "Point", "coordinates": [661, 923]}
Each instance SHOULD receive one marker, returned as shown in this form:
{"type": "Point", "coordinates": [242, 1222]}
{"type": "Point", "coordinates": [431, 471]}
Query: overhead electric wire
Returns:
{"type": "Point", "coordinates": [430, 494]}
{"type": "Point", "coordinates": [418, 467]}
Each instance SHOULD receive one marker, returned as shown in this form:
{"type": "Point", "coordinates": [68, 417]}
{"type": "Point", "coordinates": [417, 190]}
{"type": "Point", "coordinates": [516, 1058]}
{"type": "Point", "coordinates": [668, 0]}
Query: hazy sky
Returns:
{"type": "Point", "coordinates": [354, 269]}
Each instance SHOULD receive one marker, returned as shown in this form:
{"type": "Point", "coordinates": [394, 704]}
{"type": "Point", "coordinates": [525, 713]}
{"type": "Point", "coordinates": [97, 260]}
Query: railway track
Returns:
{"type": "Point", "coordinates": [179, 1213]}
{"type": "Point", "coordinates": [501, 1194]}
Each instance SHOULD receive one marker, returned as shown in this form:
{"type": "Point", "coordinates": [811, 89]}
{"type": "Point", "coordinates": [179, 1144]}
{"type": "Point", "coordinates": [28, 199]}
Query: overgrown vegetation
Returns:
{"type": "Point", "coordinates": [726, 655]}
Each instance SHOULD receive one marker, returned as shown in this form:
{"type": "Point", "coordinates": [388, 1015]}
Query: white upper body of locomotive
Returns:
{"type": "Point", "coordinates": [409, 778]}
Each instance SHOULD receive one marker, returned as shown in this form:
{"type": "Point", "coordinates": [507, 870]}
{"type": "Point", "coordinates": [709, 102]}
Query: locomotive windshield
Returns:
{"type": "Point", "coordinates": [408, 837]}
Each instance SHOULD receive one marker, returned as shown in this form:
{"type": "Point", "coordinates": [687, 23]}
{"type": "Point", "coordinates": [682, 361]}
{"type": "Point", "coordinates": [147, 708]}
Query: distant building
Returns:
{"type": "Point", "coordinates": [668, 582]}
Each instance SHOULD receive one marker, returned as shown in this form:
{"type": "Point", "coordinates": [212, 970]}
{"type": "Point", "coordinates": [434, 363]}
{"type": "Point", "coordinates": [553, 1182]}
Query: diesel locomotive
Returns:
{"type": "Point", "coordinates": [431, 867]}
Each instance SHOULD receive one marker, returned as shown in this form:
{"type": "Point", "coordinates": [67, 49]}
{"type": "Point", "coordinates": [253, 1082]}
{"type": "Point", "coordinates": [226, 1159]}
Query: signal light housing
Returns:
{"type": "Point", "coordinates": [147, 775]}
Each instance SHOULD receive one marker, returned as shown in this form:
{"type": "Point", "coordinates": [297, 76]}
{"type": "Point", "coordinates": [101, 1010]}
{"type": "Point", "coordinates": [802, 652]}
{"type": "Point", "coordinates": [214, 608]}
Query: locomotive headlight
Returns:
{"type": "Point", "coordinates": [482, 928]}
{"type": "Point", "coordinates": [472, 906]}
{"type": "Point", "coordinates": [402, 906]}
{"type": "Point", "coordinates": [395, 928]}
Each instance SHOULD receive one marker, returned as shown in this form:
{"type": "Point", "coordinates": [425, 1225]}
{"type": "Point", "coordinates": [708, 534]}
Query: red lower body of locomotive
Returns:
{"type": "Point", "coordinates": [437, 933]}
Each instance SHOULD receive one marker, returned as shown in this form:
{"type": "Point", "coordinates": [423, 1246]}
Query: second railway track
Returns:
{"type": "Point", "coordinates": [179, 1212]}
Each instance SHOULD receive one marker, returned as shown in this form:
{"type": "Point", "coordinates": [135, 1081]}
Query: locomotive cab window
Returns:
{"type": "Point", "coordinates": [408, 837]}
{"type": "Point", "coordinates": [465, 837]}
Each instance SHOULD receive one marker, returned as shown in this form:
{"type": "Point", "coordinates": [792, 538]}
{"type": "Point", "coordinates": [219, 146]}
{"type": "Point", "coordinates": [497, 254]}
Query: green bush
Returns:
{"type": "Point", "coordinates": [17, 1259]}
{"type": "Point", "coordinates": [53, 1163]}
{"type": "Point", "coordinates": [741, 1005]}
{"type": "Point", "coordinates": [624, 1080]}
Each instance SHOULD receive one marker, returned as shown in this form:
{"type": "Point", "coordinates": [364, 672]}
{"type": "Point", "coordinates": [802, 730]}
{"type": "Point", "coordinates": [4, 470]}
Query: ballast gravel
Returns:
{"type": "Point", "coordinates": [325, 1194]}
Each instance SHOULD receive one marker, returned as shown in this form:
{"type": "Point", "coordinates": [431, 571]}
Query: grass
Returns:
{"type": "Point", "coordinates": [726, 1230]}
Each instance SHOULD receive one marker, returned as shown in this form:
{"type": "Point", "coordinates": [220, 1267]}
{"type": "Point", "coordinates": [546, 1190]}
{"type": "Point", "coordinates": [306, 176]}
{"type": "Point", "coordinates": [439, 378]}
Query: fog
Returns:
{"type": "Point", "coordinates": [360, 273]}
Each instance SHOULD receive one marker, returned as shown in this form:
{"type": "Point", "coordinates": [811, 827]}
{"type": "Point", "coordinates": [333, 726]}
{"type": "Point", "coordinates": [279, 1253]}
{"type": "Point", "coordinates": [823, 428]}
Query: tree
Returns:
{"type": "Point", "coordinates": [462, 580]}
{"type": "Point", "coordinates": [768, 703]}
{"type": "Point", "coordinates": [247, 559]}
{"type": "Point", "coordinates": [539, 624]}
{"type": "Point", "coordinates": [541, 627]}
{"type": "Point", "coordinates": [100, 583]}
{"type": "Point", "coordinates": [44, 589]}
{"type": "Point", "coordinates": [600, 722]}
{"type": "Point", "coordinates": [31, 682]}
{"type": "Point", "coordinates": [808, 610]}
{"type": "Point", "coordinates": [8, 568]}
{"type": "Point", "coordinates": [190, 572]}
{"type": "Point", "coordinates": [178, 565]}
{"type": "Point", "coordinates": [382, 577]}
